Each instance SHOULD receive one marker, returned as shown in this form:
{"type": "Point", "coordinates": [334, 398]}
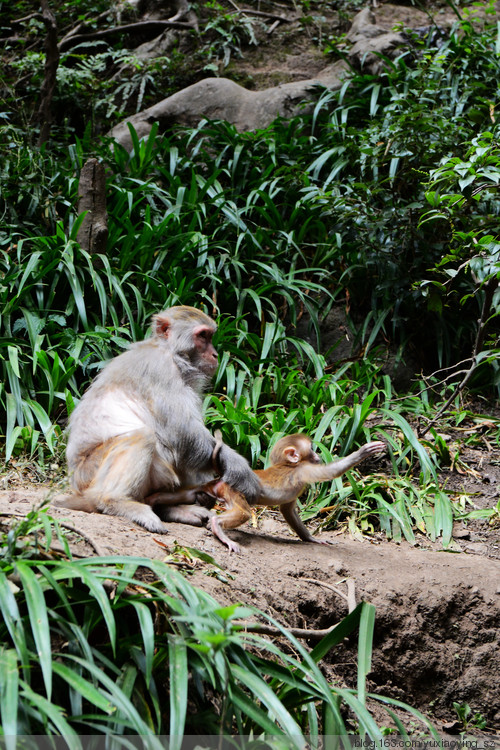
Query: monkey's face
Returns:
{"type": "Point", "coordinates": [207, 356]}
{"type": "Point", "coordinates": [188, 333]}
{"type": "Point", "coordinates": [313, 457]}
{"type": "Point", "coordinates": [307, 453]}
{"type": "Point", "coordinates": [293, 450]}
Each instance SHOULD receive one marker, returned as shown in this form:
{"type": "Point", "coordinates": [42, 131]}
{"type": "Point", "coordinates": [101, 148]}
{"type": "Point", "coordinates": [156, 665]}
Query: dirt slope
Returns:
{"type": "Point", "coordinates": [437, 637]}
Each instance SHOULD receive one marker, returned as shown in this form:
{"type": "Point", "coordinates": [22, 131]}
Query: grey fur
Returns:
{"type": "Point", "coordinates": [139, 427]}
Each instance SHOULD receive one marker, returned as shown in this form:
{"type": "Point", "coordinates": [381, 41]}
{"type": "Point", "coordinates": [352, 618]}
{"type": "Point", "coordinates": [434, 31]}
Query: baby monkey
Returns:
{"type": "Point", "coordinates": [294, 465]}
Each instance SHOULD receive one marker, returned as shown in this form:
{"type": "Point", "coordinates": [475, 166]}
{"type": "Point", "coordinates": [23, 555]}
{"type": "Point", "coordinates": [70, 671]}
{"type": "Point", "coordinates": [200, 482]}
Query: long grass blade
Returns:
{"type": "Point", "coordinates": [148, 635]}
{"type": "Point", "coordinates": [365, 641]}
{"type": "Point", "coordinates": [9, 695]}
{"type": "Point", "coordinates": [51, 713]}
{"type": "Point", "coordinates": [263, 693]}
{"type": "Point", "coordinates": [39, 621]}
{"type": "Point", "coordinates": [83, 687]}
{"type": "Point", "coordinates": [12, 618]}
{"type": "Point", "coordinates": [178, 673]}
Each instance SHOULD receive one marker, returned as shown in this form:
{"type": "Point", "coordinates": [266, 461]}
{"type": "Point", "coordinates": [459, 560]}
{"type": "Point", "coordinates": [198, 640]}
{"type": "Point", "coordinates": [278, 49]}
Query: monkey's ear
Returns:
{"type": "Point", "coordinates": [161, 325]}
{"type": "Point", "coordinates": [291, 454]}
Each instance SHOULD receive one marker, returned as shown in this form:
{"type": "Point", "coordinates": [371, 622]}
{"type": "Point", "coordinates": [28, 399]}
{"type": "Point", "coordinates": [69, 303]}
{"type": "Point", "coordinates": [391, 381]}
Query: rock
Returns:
{"type": "Point", "coordinates": [372, 36]}
{"type": "Point", "coordinates": [370, 41]}
{"type": "Point", "coordinates": [364, 26]}
{"type": "Point", "coordinates": [160, 46]}
{"type": "Point", "coordinates": [365, 54]}
{"type": "Point", "coordinates": [223, 99]}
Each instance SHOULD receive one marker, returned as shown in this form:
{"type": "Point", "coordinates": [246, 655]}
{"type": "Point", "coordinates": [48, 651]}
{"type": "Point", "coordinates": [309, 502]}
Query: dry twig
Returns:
{"type": "Point", "coordinates": [130, 28]}
{"type": "Point", "coordinates": [315, 635]}
{"type": "Point", "coordinates": [84, 536]}
{"type": "Point", "coordinates": [350, 597]}
{"type": "Point", "coordinates": [264, 629]}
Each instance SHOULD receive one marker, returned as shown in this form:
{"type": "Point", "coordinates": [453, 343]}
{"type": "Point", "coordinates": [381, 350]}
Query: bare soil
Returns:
{"type": "Point", "coordinates": [437, 632]}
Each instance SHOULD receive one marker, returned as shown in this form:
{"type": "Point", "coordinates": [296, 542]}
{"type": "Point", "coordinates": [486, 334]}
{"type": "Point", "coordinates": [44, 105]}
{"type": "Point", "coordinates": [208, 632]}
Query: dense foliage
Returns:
{"type": "Point", "coordinates": [383, 200]}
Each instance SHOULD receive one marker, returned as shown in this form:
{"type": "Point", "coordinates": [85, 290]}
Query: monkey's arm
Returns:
{"type": "Point", "coordinates": [176, 497]}
{"type": "Point", "coordinates": [196, 495]}
{"type": "Point", "coordinates": [308, 473]}
{"type": "Point", "coordinates": [237, 474]}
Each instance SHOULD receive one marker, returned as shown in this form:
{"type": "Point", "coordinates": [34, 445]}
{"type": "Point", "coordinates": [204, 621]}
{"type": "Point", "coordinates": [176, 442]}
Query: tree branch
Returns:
{"type": "Point", "coordinates": [129, 28]}
{"type": "Point", "coordinates": [490, 288]}
{"type": "Point", "coordinates": [93, 232]}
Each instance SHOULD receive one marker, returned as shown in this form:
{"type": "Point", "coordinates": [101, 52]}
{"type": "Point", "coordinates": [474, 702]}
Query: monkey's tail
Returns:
{"type": "Point", "coordinates": [75, 501]}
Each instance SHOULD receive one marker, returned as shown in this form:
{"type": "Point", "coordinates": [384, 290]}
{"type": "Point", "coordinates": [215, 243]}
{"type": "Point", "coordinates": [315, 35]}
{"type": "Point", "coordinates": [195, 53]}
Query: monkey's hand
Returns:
{"type": "Point", "coordinates": [377, 446]}
{"type": "Point", "coordinates": [206, 495]}
{"type": "Point", "coordinates": [237, 474]}
{"type": "Point", "coordinates": [205, 498]}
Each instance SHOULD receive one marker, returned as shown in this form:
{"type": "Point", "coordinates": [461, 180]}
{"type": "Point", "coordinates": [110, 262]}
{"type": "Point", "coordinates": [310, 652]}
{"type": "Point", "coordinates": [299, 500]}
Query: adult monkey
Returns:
{"type": "Point", "coordinates": [137, 438]}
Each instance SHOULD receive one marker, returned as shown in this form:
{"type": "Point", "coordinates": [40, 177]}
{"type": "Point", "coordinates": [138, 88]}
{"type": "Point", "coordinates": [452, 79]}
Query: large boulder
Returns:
{"type": "Point", "coordinates": [223, 99]}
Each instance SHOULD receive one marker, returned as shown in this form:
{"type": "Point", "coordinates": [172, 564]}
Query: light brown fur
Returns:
{"type": "Point", "coordinates": [294, 466]}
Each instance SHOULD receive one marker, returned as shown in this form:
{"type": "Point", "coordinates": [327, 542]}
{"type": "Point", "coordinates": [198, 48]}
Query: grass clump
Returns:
{"type": "Point", "coordinates": [126, 645]}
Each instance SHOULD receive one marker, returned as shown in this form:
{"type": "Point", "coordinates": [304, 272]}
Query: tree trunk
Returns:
{"type": "Point", "coordinates": [44, 115]}
{"type": "Point", "coordinates": [93, 233]}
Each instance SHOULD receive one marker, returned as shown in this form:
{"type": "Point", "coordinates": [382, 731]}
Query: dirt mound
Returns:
{"type": "Point", "coordinates": [437, 633]}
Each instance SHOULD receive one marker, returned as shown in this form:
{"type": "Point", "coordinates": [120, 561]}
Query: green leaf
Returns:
{"type": "Point", "coordinates": [83, 687]}
{"type": "Point", "coordinates": [9, 695]}
{"type": "Point", "coordinates": [14, 360]}
{"type": "Point", "coordinates": [13, 620]}
{"type": "Point", "coordinates": [39, 620]}
{"type": "Point", "coordinates": [428, 469]}
{"type": "Point", "coordinates": [365, 641]}
{"type": "Point", "coordinates": [54, 714]}
{"type": "Point", "coordinates": [178, 674]}
{"type": "Point", "coordinates": [337, 635]}
{"type": "Point", "coordinates": [79, 569]}
{"type": "Point", "coordinates": [251, 709]}
{"type": "Point", "coordinates": [443, 515]}
{"type": "Point", "coordinates": [119, 700]}
{"type": "Point", "coordinates": [148, 635]}
{"type": "Point", "coordinates": [262, 692]}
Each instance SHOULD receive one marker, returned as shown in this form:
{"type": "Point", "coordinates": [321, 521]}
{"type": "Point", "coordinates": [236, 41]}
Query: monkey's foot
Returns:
{"type": "Point", "coordinates": [324, 542]}
{"type": "Point", "coordinates": [223, 537]}
{"type": "Point", "coordinates": [195, 515]}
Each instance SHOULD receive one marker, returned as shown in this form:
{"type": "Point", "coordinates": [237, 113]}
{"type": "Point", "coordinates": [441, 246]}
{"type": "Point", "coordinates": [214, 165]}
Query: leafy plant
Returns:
{"type": "Point", "coordinates": [226, 34]}
{"type": "Point", "coordinates": [472, 267]}
{"type": "Point", "coordinates": [76, 659]}
{"type": "Point", "coordinates": [265, 230]}
{"type": "Point", "coordinates": [468, 719]}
